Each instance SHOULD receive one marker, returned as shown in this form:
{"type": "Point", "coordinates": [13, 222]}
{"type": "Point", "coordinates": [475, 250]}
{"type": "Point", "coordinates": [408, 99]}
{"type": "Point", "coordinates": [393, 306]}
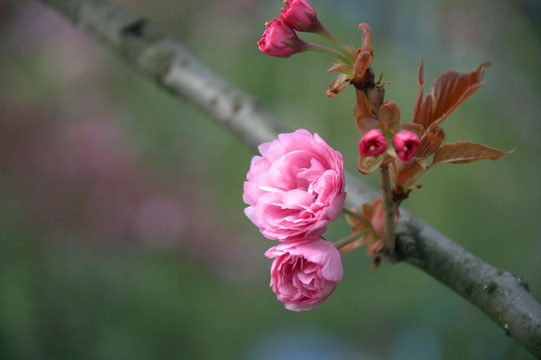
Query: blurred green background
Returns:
{"type": "Point", "coordinates": [122, 233]}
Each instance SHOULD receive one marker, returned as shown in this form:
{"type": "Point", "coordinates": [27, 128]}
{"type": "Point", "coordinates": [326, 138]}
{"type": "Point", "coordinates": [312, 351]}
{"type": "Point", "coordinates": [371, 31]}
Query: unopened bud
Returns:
{"type": "Point", "coordinates": [280, 40]}
{"type": "Point", "coordinates": [300, 15]}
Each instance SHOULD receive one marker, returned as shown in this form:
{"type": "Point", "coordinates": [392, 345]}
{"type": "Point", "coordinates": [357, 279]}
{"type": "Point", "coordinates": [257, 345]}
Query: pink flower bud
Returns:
{"type": "Point", "coordinates": [280, 40]}
{"type": "Point", "coordinates": [405, 144]}
{"type": "Point", "coordinates": [305, 272]}
{"type": "Point", "coordinates": [373, 143]}
{"type": "Point", "coordinates": [300, 15]}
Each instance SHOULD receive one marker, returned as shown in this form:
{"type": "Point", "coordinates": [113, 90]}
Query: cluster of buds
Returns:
{"type": "Point", "coordinates": [280, 38]}
{"type": "Point", "coordinates": [353, 67]}
{"type": "Point", "coordinates": [374, 143]}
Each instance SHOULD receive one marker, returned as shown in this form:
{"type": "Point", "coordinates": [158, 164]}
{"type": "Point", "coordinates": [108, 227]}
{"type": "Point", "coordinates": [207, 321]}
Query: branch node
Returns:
{"type": "Point", "coordinates": [135, 29]}
{"type": "Point", "coordinates": [406, 245]}
{"type": "Point", "coordinates": [522, 282]}
{"type": "Point", "coordinates": [507, 329]}
{"type": "Point", "coordinates": [490, 287]}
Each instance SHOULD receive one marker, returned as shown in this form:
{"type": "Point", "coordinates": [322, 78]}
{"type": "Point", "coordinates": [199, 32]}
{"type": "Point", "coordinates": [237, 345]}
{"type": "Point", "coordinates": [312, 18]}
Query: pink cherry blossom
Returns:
{"type": "Point", "coordinates": [304, 273]}
{"type": "Point", "coordinates": [280, 40]}
{"type": "Point", "coordinates": [405, 144]}
{"type": "Point", "coordinates": [373, 143]}
{"type": "Point", "coordinates": [300, 15]}
{"type": "Point", "coordinates": [296, 187]}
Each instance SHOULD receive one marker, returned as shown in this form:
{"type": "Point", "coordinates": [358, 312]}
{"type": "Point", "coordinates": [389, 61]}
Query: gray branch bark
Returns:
{"type": "Point", "coordinates": [504, 297]}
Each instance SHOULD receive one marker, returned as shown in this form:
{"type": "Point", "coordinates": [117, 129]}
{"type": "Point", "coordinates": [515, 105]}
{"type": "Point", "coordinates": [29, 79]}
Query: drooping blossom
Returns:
{"type": "Point", "coordinates": [280, 40]}
{"type": "Point", "coordinates": [296, 187]}
{"type": "Point", "coordinates": [405, 144]}
{"type": "Point", "coordinates": [300, 15]}
{"type": "Point", "coordinates": [304, 273]}
{"type": "Point", "coordinates": [373, 143]}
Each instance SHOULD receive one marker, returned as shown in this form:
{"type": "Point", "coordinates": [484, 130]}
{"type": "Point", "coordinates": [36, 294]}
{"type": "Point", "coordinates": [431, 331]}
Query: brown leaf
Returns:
{"type": "Point", "coordinates": [367, 36]}
{"type": "Point", "coordinates": [339, 83]}
{"type": "Point", "coordinates": [464, 152]}
{"type": "Point", "coordinates": [419, 100]}
{"type": "Point", "coordinates": [363, 105]}
{"type": "Point", "coordinates": [375, 248]}
{"type": "Point", "coordinates": [356, 244]}
{"type": "Point", "coordinates": [447, 92]}
{"type": "Point", "coordinates": [363, 61]}
{"type": "Point", "coordinates": [341, 68]}
{"type": "Point", "coordinates": [408, 172]}
{"type": "Point", "coordinates": [365, 124]}
{"type": "Point", "coordinates": [429, 143]}
{"type": "Point", "coordinates": [414, 128]}
{"type": "Point", "coordinates": [389, 115]}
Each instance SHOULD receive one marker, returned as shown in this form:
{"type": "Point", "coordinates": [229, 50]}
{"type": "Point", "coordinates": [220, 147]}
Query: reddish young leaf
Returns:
{"type": "Point", "coordinates": [389, 115]}
{"type": "Point", "coordinates": [339, 83]}
{"type": "Point", "coordinates": [429, 143]}
{"type": "Point", "coordinates": [365, 124]}
{"type": "Point", "coordinates": [341, 68]}
{"type": "Point", "coordinates": [363, 107]}
{"type": "Point", "coordinates": [447, 92]}
{"type": "Point", "coordinates": [367, 36]}
{"type": "Point", "coordinates": [355, 244]}
{"type": "Point", "coordinates": [414, 128]}
{"type": "Point", "coordinates": [419, 101]}
{"type": "Point", "coordinates": [364, 119]}
{"type": "Point", "coordinates": [464, 152]}
{"type": "Point", "coordinates": [407, 173]}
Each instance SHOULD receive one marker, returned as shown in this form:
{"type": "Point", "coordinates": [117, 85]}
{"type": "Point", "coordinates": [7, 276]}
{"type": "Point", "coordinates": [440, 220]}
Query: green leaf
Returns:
{"type": "Point", "coordinates": [368, 164]}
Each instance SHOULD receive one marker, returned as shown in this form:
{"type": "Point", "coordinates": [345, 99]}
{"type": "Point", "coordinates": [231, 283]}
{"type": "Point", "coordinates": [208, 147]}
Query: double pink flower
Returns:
{"type": "Point", "coordinates": [304, 273]}
{"type": "Point", "coordinates": [296, 187]}
{"type": "Point", "coordinates": [293, 191]}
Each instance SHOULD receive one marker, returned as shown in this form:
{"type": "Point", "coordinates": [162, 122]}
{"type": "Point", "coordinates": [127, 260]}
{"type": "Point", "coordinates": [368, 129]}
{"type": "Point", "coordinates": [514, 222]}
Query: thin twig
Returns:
{"type": "Point", "coordinates": [389, 214]}
{"type": "Point", "coordinates": [349, 239]}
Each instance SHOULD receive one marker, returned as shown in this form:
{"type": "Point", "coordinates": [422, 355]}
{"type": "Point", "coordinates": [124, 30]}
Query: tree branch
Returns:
{"type": "Point", "coordinates": [502, 296]}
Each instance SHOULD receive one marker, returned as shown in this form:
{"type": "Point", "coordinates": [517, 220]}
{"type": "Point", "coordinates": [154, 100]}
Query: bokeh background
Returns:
{"type": "Point", "coordinates": [122, 233]}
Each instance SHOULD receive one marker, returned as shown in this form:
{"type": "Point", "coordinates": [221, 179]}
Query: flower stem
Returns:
{"type": "Point", "coordinates": [349, 239]}
{"type": "Point", "coordinates": [326, 50]}
{"type": "Point", "coordinates": [324, 32]}
{"type": "Point", "coordinates": [352, 214]}
{"type": "Point", "coordinates": [389, 214]}
{"type": "Point", "coordinates": [356, 216]}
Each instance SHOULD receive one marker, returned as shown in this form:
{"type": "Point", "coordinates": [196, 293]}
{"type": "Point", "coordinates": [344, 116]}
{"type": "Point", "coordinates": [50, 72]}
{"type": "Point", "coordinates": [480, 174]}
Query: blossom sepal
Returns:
{"type": "Point", "coordinates": [359, 71]}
